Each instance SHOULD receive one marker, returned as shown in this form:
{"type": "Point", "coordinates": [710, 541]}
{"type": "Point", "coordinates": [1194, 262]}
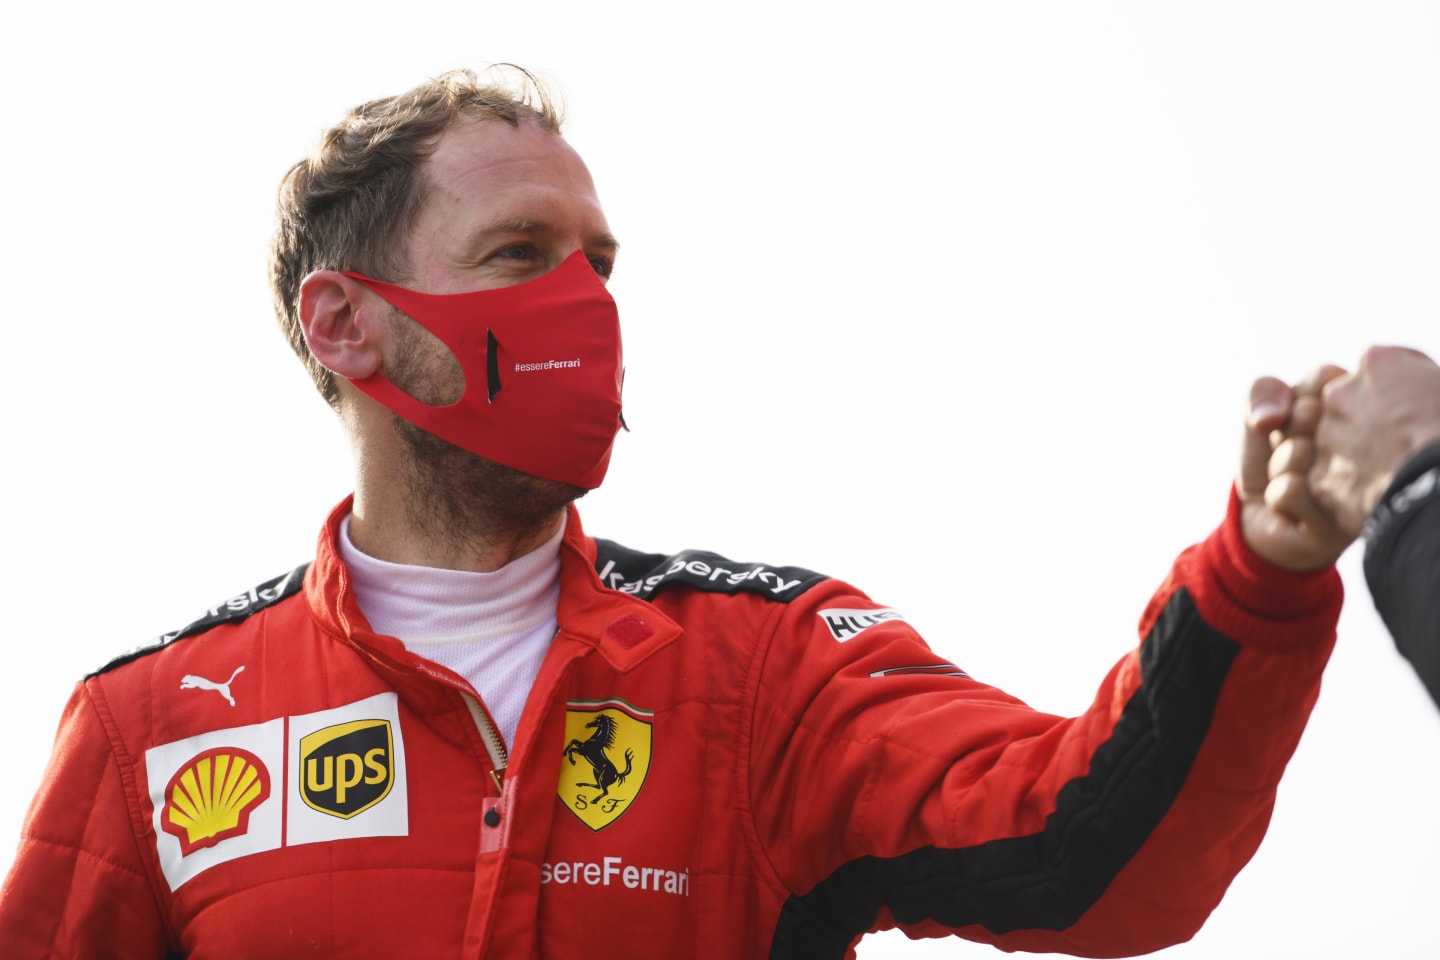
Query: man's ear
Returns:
{"type": "Point", "coordinates": [343, 323]}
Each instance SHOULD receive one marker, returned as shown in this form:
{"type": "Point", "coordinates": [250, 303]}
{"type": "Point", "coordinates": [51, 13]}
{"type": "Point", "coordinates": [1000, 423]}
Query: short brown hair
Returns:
{"type": "Point", "coordinates": [350, 204]}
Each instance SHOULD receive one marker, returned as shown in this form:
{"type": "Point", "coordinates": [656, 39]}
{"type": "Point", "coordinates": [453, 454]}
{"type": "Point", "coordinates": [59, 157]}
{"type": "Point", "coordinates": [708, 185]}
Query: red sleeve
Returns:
{"type": "Point", "coordinates": [887, 791]}
{"type": "Point", "coordinates": [78, 887]}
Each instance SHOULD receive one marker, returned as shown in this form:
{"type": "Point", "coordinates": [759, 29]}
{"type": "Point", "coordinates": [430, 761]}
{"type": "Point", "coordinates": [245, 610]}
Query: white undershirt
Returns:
{"type": "Point", "coordinates": [491, 628]}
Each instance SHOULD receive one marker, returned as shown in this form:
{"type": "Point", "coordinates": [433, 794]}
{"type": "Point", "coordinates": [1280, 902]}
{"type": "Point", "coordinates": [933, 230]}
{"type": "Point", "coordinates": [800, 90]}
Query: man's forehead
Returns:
{"type": "Point", "coordinates": [488, 179]}
{"type": "Point", "coordinates": [476, 146]}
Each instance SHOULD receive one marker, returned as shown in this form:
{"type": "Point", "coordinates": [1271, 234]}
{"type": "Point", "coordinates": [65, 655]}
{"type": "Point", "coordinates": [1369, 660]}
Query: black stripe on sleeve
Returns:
{"type": "Point", "coordinates": [1045, 881]}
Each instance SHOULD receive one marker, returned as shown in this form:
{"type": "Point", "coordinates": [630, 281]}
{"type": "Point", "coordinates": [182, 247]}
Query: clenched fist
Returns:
{"type": "Point", "coordinates": [1282, 519]}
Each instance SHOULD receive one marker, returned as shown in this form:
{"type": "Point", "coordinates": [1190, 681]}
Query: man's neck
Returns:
{"type": "Point", "coordinates": [386, 531]}
{"type": "Point", "coordinates": [424, 502]}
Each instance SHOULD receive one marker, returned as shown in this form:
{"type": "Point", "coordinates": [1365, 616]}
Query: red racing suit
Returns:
{"type": "Point", "coordinates": [717, 759]}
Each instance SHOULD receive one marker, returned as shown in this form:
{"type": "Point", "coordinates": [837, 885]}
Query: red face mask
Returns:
{"type": "Point", "coordinates": [542, 365]}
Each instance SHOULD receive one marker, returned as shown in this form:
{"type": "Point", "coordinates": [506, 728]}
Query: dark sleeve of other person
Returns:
{"type": "Point", "coordinates": [1402, 563]}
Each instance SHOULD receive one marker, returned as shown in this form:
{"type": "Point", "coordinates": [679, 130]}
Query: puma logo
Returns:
{"type": "Point", "coordinates": [191, 682]}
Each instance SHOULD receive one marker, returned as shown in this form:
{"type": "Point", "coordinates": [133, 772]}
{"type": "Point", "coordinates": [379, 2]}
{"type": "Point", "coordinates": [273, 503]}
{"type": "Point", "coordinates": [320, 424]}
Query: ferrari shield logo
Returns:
{"type": "Point", "coordinates": [607, 753]}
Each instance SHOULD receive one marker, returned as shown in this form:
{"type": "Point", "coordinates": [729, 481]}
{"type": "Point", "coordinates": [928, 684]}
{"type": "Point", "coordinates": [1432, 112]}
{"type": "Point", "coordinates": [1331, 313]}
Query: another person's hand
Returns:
{"type": "Point", "coordinates": [1282, 520]}
{"type": "Point", "coordinates": [1373, 420]}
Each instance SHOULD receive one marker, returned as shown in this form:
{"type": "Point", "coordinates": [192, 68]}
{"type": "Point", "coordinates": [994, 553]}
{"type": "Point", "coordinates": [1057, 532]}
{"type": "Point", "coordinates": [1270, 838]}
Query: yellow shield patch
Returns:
{"type": "Point", "coordinates": [607, 757]}
{"type": "Point", "coordinates": [346, 769]}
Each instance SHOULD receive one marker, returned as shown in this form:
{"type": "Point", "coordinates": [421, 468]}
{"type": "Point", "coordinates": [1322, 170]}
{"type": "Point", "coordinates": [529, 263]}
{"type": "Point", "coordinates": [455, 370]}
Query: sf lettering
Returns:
{"type": "Point", "coordinates": [605, 804]}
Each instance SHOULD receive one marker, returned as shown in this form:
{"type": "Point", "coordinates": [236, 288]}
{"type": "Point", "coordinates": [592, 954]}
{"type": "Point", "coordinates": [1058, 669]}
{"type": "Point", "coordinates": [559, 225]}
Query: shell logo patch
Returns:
{"type": "Point", "coordinates": [210, 798]}
{"type": "Point", "coordinates": [346, 768]}
{"type": "Point", "coordinates": [607, 754]}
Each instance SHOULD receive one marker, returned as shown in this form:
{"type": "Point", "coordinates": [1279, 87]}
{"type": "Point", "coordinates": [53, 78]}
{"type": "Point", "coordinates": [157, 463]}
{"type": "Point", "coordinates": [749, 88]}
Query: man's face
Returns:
{"type": "Point", "coordinates": [502, 205]}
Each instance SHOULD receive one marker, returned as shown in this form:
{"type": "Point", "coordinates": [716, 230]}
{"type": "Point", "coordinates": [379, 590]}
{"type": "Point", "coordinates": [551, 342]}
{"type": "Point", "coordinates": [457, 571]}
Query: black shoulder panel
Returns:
{"type": "Point", "coordinates": [233, 610]}
{"type": "Point", "coordinates": [642, 574]}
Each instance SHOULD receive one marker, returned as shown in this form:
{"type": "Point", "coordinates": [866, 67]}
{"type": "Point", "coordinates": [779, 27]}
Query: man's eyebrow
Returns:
{"type": "Point", "coordinates": [524, 225]}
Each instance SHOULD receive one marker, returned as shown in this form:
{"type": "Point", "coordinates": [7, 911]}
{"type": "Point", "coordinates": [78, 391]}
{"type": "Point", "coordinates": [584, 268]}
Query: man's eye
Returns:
{"type": "Point", "coordinates": [602, 266]}
{"type": "Point", "coordinates": [519, 251]}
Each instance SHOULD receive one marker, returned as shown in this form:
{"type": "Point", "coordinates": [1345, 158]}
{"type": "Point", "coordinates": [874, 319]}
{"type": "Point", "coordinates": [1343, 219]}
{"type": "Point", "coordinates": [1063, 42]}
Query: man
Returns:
{"type": "Point", "coordinates": [1377, 463]}
{"type": "Point", "coordinates": [469, 729]}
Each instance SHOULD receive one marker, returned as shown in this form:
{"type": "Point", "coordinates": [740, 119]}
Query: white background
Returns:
{"type": "Point", "coordinates": [957, 301]}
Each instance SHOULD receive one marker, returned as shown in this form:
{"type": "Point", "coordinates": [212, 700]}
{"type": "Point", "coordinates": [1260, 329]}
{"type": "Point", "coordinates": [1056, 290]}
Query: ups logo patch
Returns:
{"type": "Point", "coordinates": [348, 768]}
{"type": "Point", "coordinates": [608, 752]}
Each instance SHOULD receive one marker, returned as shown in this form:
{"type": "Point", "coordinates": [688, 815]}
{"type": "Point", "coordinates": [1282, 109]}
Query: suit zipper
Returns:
{"type": "Point", "coordinates": [494, 745]}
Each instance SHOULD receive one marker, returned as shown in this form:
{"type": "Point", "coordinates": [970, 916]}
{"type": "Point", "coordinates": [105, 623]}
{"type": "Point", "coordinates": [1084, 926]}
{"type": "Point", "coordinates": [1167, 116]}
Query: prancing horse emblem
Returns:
{"type": "Point", "coordinates": [593, 750]}
{"type": "Point", "coordinates": [602, 732]}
